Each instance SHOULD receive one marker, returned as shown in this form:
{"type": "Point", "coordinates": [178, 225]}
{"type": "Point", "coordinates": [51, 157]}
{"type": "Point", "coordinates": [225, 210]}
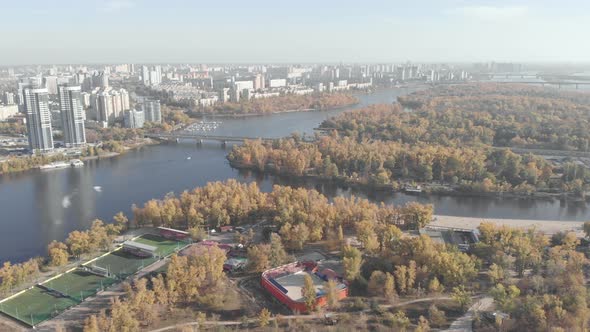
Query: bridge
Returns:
{"type": "Point", "coordinates": [199, 138]}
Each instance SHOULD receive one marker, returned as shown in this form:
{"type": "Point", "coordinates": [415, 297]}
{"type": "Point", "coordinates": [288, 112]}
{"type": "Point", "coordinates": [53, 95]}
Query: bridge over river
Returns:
{"type": "Point", "coordinates": [200, 138]}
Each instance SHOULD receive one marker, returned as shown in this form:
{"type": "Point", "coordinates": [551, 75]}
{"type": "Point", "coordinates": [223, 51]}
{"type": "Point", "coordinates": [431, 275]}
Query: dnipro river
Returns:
{"type": "Point", "coordinates": [37, 207]}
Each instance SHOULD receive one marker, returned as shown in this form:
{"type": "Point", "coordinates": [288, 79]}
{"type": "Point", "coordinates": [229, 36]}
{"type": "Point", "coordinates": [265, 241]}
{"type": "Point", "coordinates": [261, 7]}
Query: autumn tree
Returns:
{"type": "Point", "coordinates": [276, 255]}
{"type": "Point", "coordinates": [91, 324]}
{"type": "Point", "coordinates": [259, 257]}
{"type": "Point", "coordinates": [352, 261]}
{"type": "Point", "coordinates": [309, 293]}
{"type": "Point", "coordinates": [376, 283]}
{"type": "Point", "coordinates": [79, 243]}
{"type": "Point", "coordinates": [436, 316]}
{"type": "Point", "coordinates": [264, 317]}
{"type": "Point", "coordinates": [423, 325]}
{"type": "Point", "coordinates": [462, 297]}
{"type": "Point", "coordinates": [330, 288]}
{"type": "Point", "coordinates": [58, 253]}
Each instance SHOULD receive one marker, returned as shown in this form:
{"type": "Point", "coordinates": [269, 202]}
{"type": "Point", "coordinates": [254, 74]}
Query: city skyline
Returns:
{"type": "Point", "coordinates": [263, 31]}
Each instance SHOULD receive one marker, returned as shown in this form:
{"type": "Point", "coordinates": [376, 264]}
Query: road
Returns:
{"type": "Point", "coordinates": [465, 323]}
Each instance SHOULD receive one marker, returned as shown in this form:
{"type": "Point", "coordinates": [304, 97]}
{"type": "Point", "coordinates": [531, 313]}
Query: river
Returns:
{"type": "Point", "coordinates": [40, 206]}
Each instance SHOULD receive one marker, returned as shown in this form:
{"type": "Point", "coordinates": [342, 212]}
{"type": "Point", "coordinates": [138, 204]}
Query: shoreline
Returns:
{"type": "Point", "coordinates": [343, 181]}
{"type": "Point", "coordinates": [248, 115]}
{"type": "Point", "coordinates": [549, 227]}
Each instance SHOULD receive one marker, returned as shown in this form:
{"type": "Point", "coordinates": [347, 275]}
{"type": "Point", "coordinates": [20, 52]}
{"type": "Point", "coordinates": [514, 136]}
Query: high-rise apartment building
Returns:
{"type": "Point", "coordinates": [72, 116]}
{"type": "Point", "coordinates": [36, 103]}
{"type": "Point", "coordinates": [134, 118]}
{"type": "Point", "coordinates": [152, 111]}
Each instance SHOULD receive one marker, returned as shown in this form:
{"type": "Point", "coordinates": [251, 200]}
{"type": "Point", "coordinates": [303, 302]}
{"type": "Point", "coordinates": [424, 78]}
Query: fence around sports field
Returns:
{"type": "Point", "coordinates": [54, 296]}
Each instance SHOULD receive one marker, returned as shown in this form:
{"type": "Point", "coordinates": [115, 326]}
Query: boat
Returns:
{"type": "Point", "coordinates": [413, 189]}
{"type": "Point", "coordinates": [76, 163]}
{"type": "Point", "coordinates": [55, 165]}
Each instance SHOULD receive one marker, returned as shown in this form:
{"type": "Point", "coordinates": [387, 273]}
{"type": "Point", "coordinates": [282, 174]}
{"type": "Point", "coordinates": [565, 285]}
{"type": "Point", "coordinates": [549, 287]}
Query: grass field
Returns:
{"type": "Point", "coordinates": [165, 246]}
{"type": "Point", "coordinates": [79, 284]}
{"type": "Point", "coordinates": [122, 263]}
{"type": "Point", "coordinates": [35, 306]}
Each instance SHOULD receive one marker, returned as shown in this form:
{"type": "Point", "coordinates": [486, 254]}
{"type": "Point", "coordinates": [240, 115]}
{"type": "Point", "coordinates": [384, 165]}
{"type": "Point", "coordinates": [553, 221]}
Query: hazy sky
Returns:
{"type": "Point", "coordinates": [90, 31]}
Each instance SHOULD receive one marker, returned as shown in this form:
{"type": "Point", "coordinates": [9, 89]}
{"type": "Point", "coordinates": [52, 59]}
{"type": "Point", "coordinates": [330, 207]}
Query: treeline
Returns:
{"type": "Point", "coordinates": [389, 163]}
{"type": "Point", "coordinates": [19, 164]}
{"type": "Point", "coordinates": [478, 114]}
{"type": "Point", "coordinates": [302, 215]}
{"type": "Point", "coordinates": [193, 280]}
{"type": "Point", "coordinates": [284, 103]}
{"type": "Point", "coordinates": [99, 237]}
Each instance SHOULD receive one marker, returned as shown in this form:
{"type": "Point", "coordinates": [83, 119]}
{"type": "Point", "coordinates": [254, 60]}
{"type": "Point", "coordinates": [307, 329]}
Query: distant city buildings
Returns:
{"type": "Point", "coordinates": [72, 116]}
{"type": "Point", "coordinates": [109, 104]}
{"type": "Point", "coordinates": [151, 76]}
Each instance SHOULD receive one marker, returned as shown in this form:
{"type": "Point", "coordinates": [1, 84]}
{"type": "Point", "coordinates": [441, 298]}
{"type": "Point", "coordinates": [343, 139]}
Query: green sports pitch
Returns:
{"type": "Point", "coordinates": [52, 297]}
{"type": "Point", "coordinates": [165, 246]}
{"type": "Point", "coordinates": [35, 305]}
{"type": "Point", "coordinates": [79, 285]}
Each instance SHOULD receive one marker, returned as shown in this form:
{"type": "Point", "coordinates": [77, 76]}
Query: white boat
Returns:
{"type": "Point", "coordinates": [55, 165]}
{"type": "Point", "coordinates": [412, 189]}
{"type": "Point", "coordinates": [76, 163]}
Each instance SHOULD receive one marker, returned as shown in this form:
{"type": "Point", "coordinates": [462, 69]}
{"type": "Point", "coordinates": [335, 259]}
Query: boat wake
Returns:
{"type": "Point", "coordinates": [66, 202]}
{"type": "Point", "coordinates": [98, 189]}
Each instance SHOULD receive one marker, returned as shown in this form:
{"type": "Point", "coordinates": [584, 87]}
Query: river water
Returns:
{"type": "Point", "coordinates": [37, 207]}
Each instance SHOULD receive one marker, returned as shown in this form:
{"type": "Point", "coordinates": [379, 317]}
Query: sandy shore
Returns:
{"type": "Point", "coordinates": [546, 226]}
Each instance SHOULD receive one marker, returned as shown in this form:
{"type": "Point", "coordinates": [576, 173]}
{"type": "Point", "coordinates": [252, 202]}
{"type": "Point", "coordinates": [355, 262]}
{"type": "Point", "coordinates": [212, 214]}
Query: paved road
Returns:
{"type": "Point", "coordinates": [464, 323]}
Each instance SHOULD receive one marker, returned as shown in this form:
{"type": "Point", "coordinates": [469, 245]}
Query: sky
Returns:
{"type": "Point", "coordinates": [292, 31]}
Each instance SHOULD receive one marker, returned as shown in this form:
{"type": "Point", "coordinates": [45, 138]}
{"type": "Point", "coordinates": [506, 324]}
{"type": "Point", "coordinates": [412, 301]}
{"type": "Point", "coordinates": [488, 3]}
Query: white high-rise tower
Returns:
{"type": "Point", "coordinates": [72, 115]}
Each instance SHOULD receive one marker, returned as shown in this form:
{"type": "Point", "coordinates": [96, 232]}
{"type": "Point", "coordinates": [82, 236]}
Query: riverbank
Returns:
{"type": "Point", "coordinates": [547, 226]}
{"type": "Point", "coordinates": [58, 158]}
{"type": "Point", "coordinates": [398, 187]}
{"type": "Point", "coordinates": [249, 115]}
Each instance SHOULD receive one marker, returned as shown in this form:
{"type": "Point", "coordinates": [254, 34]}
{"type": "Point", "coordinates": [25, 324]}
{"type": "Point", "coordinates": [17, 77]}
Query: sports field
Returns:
{"type": "Point", "coordinates": [79, 284]}
{"type": "Point", "coordinates": [38, 304]}
{"type": "Point", "coordinates": [35, 306]}
{"type": "Point", "coordinates": [123, 264]}
{"type": "Point", "coordinates": [165, 246]}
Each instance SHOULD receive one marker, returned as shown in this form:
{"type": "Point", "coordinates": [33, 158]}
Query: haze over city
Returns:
{"type": "Point", "coordinates": [292, 166]}
{"type": "Point", "coordinates": [44, 32]}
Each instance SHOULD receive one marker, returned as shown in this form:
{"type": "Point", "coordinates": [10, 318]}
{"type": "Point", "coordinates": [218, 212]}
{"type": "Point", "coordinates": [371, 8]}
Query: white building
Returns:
{"type": "Point", "coordinates": [72, 116]}
{"type": "Point", "coordinates": [134, 118]}
{"type": "Point", "coordinates": [152, 110]}
{"type": "Point", "coordinates": [277, 83]}
{"type": "Point", "coordinates": [8, 98]}
{"type": "Point", "coordinates": [36, 102]}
